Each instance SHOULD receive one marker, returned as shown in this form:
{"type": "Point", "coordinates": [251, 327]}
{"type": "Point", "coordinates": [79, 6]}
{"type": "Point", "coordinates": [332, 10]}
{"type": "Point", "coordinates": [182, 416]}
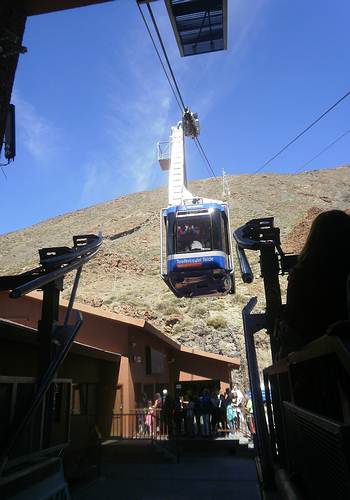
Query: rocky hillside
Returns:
{"type": "Point", "coordinates": [124, 277]}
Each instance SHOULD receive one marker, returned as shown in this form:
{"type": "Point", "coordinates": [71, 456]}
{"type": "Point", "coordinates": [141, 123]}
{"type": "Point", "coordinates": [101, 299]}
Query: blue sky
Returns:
{"type": "Point", "coordinates": [92, 101]}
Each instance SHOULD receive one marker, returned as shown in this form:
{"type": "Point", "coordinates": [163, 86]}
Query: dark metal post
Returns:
{"type": "Point", "coordinates": [12, 24]}
{"type": "Point", "coordinates": [46, 325]}
{"type": "Point", "coordinates": [270, 271]}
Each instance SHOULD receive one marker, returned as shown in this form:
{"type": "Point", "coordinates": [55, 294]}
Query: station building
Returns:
{"type": "Point", "coordinates": [114, 360]}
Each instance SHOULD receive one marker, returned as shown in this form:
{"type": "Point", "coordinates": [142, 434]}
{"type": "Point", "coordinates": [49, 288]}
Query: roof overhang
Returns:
{"type": "Point", "coordinates": [143, 325]}
{"type": "Point", "coordinates": [15, 332]}
{"type": "Point", "coordinates": [35, 7]}
{"type": "Point", "coordinates": [200, 26]}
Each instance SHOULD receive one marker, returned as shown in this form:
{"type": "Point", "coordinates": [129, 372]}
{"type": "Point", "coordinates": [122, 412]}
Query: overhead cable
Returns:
{"type": "Point", "coordinates": [165, 54]}
{"type": "Point", "coordinates": [331, 144]}
{"type": "Point", "coordinates": [159, 57]}
{"type": "Point", "coordinates": [204, 156]}
{"type": "Point", "coordinates": [174, 86]}
{"type": "Point", "coordinates": [270, 160]}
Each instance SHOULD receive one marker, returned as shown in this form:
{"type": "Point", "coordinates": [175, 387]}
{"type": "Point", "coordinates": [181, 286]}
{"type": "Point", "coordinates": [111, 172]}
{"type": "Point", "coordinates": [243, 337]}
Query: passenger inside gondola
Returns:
{"type": "Point", "coordinates": [193, 236]}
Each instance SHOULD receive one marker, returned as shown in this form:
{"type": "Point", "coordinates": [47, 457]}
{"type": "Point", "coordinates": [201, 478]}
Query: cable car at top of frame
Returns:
{"type": "Point", "coordinates": [196, 247]}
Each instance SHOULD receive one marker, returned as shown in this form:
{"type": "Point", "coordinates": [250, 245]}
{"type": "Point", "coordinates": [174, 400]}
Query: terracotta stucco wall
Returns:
{"type": "Point", "coordinates": [130, 341]}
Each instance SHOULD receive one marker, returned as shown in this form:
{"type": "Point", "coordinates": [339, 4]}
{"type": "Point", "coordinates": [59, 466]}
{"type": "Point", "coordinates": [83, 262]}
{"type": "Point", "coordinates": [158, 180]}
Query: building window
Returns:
{"type": "Point", "coordinates": [148, 360]}
{"type": "Point", "coordinates": [154, 361]}
{"type": "Point", "coordinates": [79, 399]}
{"type": "Point", "coordinates": [84, 399]}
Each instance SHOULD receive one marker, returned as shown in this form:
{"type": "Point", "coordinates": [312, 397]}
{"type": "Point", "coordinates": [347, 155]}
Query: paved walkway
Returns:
{"type": "Point", "coordinates": [203, 476]}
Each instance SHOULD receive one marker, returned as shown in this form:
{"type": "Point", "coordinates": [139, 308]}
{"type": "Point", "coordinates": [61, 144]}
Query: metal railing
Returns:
{"type": "Point", "coordinates": [55, 263]}
{"type": "Point", "coordinates": [307, 415]}
{"type": "Point", "coordinates": [155, 425]}
{"type": "Point", "coordinates": [140, 424]}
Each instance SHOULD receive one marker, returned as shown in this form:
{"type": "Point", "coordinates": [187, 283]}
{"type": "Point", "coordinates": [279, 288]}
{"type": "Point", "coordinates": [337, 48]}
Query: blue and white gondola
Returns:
{"type": "Point", "coordinates": [196, 241]}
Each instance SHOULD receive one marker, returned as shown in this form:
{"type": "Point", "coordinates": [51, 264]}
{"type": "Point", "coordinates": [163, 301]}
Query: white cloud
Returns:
{"type": "Point", "coordinates": [38, 135]}
{"type": "Point", "coordinates": [138, 117]}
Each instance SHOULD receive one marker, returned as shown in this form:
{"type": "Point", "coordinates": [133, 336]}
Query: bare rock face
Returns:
{"type": "Point", "coordinates": [297, 236]}
{"type": "Point", "coordinates": [172, 321]}
{"type": "Point", "coordinates": [124, 276]}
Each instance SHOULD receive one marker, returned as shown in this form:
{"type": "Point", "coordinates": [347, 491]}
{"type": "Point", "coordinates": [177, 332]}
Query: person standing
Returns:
{"type": "Point", "coordinates": [205, 411]}
{"type": "Point", "coordinates": [149, 421]}
{"type": "Point", "coordinates": [316, 292]}
{"type": "Point", "coordinates": [230, 418]}
{"type": "Point", "coordinates": [178, 416]}
{"type": "Point", "coordinates": [238, 394]}
{"type": "Point", "coordinates": [167, 413]}
{"type": "Point", "coordinates": [214, 412]}
{"type": "Point", "coordinates": [157, 407]}
{"type": "Point", "coordinates": [190, 418]}
{"type": "Point", "coordinates": [250, 415]}
{"type": "Point", "coordinates": [197, 413]}
{"type": "Point", "coordinates": [222, 413]}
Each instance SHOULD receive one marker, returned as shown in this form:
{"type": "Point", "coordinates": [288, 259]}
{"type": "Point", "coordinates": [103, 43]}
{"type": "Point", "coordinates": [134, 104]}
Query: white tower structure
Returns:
{"type": "Point", "coordinates": [225, 187]}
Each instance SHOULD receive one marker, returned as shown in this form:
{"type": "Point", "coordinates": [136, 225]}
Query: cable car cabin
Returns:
{"type": "Point", "coordinates": [198, 249]}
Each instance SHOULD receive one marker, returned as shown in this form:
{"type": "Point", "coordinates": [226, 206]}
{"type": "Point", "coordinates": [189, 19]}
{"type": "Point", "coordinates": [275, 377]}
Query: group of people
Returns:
{"type": "Point", "coordinates": [190, 237]}
{"type": "Point", "coordinates": [199, 415]}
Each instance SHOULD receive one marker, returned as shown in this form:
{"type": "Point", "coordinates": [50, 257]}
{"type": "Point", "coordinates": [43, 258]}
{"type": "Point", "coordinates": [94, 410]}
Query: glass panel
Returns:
{"type": "Point", "coordinates": [224, 230]}
{"type": "Point", "coordinates": [79, 399]}
{"type": "Point", "coordinates": [217, 230]}
{"type": "Point", "coordinates": [170, 230]}
{"type": "Point", "coordinates": [157, 361]}
{"type": "Point", "coordinates": [193, 234]}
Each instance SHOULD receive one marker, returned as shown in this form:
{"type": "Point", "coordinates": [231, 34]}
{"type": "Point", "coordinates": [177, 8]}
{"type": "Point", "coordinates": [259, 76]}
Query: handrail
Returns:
{"type": "Point", "coordinates": [252, 324]}
{"type": "Point", "coordinates": [48, 271]}
{"type": "Point", "coordinates": [80, 258]}
{"type": "Point", "coordinates": [246, 270]}
{"type": "Point", "coordinates": [83, 244]}
{"type": "Point", "coordinates": [256, 233]}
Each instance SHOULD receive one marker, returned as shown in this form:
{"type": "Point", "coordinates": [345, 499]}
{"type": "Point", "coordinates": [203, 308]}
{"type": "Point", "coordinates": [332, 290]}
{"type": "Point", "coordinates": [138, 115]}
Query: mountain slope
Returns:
{"type": "Point", "coordinates": [124, 277]}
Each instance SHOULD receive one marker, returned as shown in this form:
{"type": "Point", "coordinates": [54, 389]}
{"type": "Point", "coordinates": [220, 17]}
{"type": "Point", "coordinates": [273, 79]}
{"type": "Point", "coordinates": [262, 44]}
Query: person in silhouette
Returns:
{"type": "Point", "coordinates": [317, 285]}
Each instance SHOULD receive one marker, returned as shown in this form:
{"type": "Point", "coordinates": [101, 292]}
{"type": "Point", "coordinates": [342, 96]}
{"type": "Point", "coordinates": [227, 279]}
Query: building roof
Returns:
{"type": "Point", "coordinates": [34, 7]}
{"type": "Point", "coordinates": [10, 330]}
{"type": "Point", "coordinates": [143, 325]}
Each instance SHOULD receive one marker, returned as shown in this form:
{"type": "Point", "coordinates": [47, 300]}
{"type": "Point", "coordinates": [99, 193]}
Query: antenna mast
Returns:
{"type": "Point", "coordinates": [225, 187]}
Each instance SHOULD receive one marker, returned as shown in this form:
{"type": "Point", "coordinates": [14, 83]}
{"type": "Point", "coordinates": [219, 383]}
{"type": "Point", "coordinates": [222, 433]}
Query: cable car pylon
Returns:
{"type": "Point", "coordinates": [196, 247]}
